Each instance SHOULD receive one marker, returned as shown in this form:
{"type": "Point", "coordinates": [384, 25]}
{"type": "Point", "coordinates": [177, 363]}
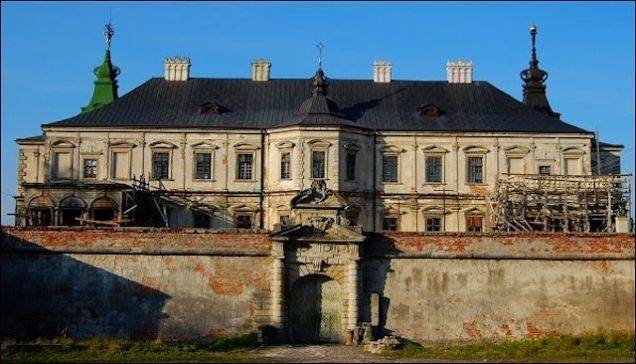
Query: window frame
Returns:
{"type": "Point", "coordinates": [121, 147]}
{"type": "Point", "coordinates": [397, 167]}
{"type": "Point", "coordinates": [440, 219]}
{"type": "Point", "coordinates": [549, 166]}
{"type": "Point", "coordinates": [95, 167]}
{"type": "Point", "coordinates": [391, 216]}
{"type": "Point", "coordinates": [324, 161]}
{"type": "Point", "coordinates": [288, 176]}
{"type": "Point", "coordinates": [238, 215]}
{"type": "Point", "coordinates": [246, 148]}
{"type": "Point", "coordinates": [468, 217]}
{"type": "Point", "coordinates": [61, 147]}
{"type": "Point", "coordinates": [158, 151]}
{"type": "Point", "coordinates": [238, 166]}
{"type": "Point", "coordinates": [441, 166]}
{"type": "Point", "coordinates": [483, 169]}
{"type": "Point", "coordinates": [195, 154]}
{"type": "Point", "coordinates": [319, 145]}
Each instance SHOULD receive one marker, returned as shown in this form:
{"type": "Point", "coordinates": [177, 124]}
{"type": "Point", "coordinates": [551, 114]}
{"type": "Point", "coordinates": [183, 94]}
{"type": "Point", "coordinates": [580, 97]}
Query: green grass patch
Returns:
{"type": "Point", "coordinates": [599, 347]}
{"type": "Point", "coordinates": [234, 349]}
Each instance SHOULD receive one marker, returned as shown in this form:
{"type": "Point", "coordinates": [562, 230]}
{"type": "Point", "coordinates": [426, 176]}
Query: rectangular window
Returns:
{"type": "Point", "coordinates": [285, 166]}
{"type": "Point", "coordinates": [351, 166]}
{"type": "Point", "coordinates": [390, 223]}
{"type": "Point", "coordinates": [475, 170]}
{"type": "Point", "coordinates": [160, 165]}
{"type": "Point", "coordinates": [474, 223]}
{"type": "Point", "coordinates": [515, 165]}
{"type": "Point", "coordinates": [390, 168]}
{"type": "Point", "coordinates": [433, 169]}
{"type": "Point", "coordinates": [201, 220]}
{"type": "Point", "coordinates": [90, 168]}
{"type": "Point", "coordinates": [545, 170]}
{"type": "Point", "coordinates": [433, 224]}
{"type": "Point", "coordinates": [244, 222]}
{"type": "Point", "coordinates": [62, 165]}
{"type": "Point", "coordinates": [318, 164]}
{"type": "Point", "coordinates": [119, 165]}
{"type": "Point", "coordinates": [203, 165]}
{"type": "Point", "coordinates": [244, 166]}
{"type": "Point", "coordinates": [284, 220]}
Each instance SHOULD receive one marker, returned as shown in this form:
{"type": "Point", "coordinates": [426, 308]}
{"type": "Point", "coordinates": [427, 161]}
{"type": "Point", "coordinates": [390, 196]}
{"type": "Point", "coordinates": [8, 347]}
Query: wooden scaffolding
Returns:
{"type": "Point", "coordinates": [559, 203]}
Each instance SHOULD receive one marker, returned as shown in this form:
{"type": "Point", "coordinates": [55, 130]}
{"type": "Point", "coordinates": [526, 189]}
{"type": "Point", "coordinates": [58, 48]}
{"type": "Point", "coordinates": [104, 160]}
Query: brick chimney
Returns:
{"type": "Point", "coordinates": [382, 71]}
{"type": "Point", "coordinates": [177, 69]}
{"type": "Point", "coordinates": [260, 70]}
{"type": "Point", "coordinates": [459, 71]}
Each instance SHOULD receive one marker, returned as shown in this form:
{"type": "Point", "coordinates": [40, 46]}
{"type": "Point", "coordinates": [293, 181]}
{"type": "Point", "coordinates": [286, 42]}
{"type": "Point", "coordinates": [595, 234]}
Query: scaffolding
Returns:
{"type": "Point", "coordinates": [559, 203]}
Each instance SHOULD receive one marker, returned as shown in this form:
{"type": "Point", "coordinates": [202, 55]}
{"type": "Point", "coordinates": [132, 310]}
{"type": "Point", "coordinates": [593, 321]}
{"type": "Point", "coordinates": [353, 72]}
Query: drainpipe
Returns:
{"type": "Point", "coordinates": [373, 193]}
{"type": "Point", "coordinates": [261, 196]}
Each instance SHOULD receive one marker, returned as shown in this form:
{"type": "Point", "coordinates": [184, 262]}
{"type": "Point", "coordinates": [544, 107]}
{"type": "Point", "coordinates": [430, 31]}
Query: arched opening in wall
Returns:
{"type": "Point", "coordinates": [104, 209]}
{"type": "Point", "coordinates": [41, 211]}
{"type": "Point", "coordinates": [71, 208]}
{"type": "Point", "coordinates": [315, 310]}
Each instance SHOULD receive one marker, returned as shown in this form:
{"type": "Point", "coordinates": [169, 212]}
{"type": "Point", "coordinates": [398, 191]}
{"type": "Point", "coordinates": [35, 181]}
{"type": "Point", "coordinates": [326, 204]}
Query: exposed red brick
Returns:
{"type": "Point", "coordinates": [533, 331]}
{"type": "Point", "coordinates": [472, 330]}
{"type": "Point", "coordinates": [506, 329]}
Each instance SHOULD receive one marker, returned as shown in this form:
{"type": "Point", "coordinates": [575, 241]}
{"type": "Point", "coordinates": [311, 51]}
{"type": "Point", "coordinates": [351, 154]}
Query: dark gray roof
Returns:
{"type": "Point", "coordinates": [383, 106]}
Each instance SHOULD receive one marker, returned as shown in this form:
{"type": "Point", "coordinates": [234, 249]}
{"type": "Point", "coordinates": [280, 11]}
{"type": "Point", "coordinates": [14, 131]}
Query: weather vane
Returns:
{"type": "Point", "coordinates": [320, 46]}
{"type": "Point", "coordinates": [109, 31]}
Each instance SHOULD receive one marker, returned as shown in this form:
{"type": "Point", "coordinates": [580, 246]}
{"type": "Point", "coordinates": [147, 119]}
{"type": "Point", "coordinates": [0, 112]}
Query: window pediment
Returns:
{"type": "Point", "coordinates": [285, 145]}
{"type": "Point", "coordinates": [62, 144]}
{"type": "Point", "coordinates": [517, 150]}
{"type": "Point", "coordinates": [319, 143]}
{"type": "Point", "coordinates": [392, 149]}
{"type": "Point", "coordinates": [243, 208]}
{"type": "Point", "coordinates": [434, 210]}
{"type": "Point", "coordinates": [245, 146]}
{"type": "Point", "coordinates": [162, 144]}
{"type": "Point", "coordinates": [434, 149]}
{"type": "Point", "coordinates": [473, 211]}
{"type": "Point", "coordinates": [204, 145]}
{"type": "Point", "coordinates": [352, 147]}
{"type": "Point", "coordinates": [121, 144]}
{"type": "Point", "coordinates": [476, 149]}
{"type": "Point", "coordinates": [572, 151]}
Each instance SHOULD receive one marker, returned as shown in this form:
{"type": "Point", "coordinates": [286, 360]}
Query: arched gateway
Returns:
{"type": "Point", "coordinates": [315, 271]}
{"type": "Point", "coordinates": [315, 310]}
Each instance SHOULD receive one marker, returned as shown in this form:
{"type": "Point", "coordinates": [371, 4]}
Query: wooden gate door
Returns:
{"type": "Point", "coordinates": [314, 308]}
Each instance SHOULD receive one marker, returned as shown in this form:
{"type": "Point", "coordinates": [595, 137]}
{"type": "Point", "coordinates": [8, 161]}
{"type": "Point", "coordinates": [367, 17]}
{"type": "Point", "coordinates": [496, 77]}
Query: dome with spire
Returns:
{"type": "Point", "coordinates": [534, 78]}
{"type": "Point", "coordinates": [319, 109]}
{"type": "Point", "coordinates": [105, 90]}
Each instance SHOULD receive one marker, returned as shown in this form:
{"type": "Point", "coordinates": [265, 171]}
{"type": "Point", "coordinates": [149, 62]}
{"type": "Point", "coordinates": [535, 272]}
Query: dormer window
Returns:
{"type": "Point", "coordinates": [211, 108]}
{"type": "Point", "coordinates": [429, 110]}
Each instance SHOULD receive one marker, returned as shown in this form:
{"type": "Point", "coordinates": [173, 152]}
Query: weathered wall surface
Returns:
{"type": "Point", "coordinates": [187, 283]}
{"type": "Point", "coordinates": [123, 284]}
{"type": "Point", "coordinates": [466, 287]}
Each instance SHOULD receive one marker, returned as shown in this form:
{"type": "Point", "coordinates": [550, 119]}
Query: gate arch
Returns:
{"type": "Point", "coordinates": [315, 309]}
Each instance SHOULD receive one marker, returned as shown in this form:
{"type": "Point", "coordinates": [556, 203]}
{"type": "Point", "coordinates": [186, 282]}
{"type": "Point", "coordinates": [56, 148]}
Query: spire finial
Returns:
{"type": "Point", "coordinates": [320, 46]}
{"type": "Point", "coordinates": [533, 34]}
{"type": "Point", "coordinates": [108, 29]}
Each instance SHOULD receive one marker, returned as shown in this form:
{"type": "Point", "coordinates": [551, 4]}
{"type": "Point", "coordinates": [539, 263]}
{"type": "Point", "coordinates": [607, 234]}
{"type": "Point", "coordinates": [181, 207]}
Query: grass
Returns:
{"type": "Point", "coordinates": [237, 349]}
{"type": "Point", "coordinates": [598, 347]}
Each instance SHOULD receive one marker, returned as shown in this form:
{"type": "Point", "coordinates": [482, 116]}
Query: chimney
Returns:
{"type": "Point", "coordinates": [260, 70]}
{"type": "Point", "coordinates": [382, 71]}
{"type": "Point", "coordinates": [177, 69]}
{"type": "Point", "coordinates": [459, 71]}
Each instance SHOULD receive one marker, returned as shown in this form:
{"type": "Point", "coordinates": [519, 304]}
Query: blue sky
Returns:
{"type": "Point", "coordinates": [49, 50]}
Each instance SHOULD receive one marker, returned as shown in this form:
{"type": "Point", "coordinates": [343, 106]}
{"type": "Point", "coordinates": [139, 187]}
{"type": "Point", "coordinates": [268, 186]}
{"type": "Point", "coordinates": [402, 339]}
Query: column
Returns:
{"type": "Point", "coordinates": [353, 293]}
{"type": "Point", "coordinates": [277, 285]}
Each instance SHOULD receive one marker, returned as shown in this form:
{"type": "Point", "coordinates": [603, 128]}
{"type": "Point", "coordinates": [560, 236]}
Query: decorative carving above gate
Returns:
{"type": "Point", "coordinates": [316, 194]}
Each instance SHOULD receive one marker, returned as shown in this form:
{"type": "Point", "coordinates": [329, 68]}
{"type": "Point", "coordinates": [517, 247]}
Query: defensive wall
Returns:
{"type": "Point", "coordinates": [161, 283]}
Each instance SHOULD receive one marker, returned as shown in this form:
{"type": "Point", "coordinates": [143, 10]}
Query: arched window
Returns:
{"type": "Point", "coordinates": [71, 208]}
{"type": "Point", "coordinates": [41, 211]}
{"type": "Point", "coordinates": [103, 209]}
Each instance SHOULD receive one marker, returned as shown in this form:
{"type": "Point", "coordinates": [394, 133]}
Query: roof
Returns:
{"type": "Point", "coordinates": [37, 138]}
{"type": "Point", "coordinates": [603, 145]}
{"type": "Point", "coordinates": [478, 106]}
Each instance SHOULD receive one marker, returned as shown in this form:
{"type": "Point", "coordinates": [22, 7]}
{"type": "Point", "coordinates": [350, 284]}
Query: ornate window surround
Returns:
{"type": "Point", "coordinates": [162, 146]}
{"type": "Point", "coordinates": [476, 151]}
{"type": "Point", "coordinates": [319, 145]}
{"type": "Point", "coordinates": [61, 146]}
{"type": "Point", "coordinates": [391, 150]}
{"type": "Point", "coordinates": [435, 151]}
{"type": "Point", "coordinates": [119, 147]}
{"type": "Point", "coordinates": [204, 147]}
{"type": "Point", "coordinates": [245, 148]}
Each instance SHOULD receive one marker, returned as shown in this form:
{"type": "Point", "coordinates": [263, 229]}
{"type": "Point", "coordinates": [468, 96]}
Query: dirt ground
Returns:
{"type": "Point", "coordinates": [333, 353]}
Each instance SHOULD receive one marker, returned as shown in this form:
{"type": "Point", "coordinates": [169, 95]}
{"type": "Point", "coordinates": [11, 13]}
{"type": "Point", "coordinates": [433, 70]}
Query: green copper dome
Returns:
{"type": "Point", "coordinates": [106, 86]}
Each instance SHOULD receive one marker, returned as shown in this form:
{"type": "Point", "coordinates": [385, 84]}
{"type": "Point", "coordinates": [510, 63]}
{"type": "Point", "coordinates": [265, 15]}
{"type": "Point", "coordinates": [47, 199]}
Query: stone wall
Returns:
{"type": "Point", "coordinates": [463, 287]}
{"type": "Point", "coordinates": [149, 283]}
{"type": "Point", "coordinates": [152, 284]}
